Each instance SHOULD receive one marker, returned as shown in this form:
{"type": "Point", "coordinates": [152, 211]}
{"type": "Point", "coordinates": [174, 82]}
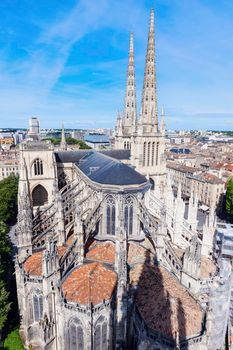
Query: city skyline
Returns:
{"type": "Point", "coordinates": [72, 67]}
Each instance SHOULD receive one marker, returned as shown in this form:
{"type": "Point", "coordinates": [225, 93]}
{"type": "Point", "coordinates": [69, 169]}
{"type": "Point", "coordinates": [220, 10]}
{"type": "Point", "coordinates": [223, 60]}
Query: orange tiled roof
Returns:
{"type": "Point", "coordinates": [164, 304]}
{"type": "Point", "coordinates": [104, 252]}
{"type": "Point", "coordinates": [33, 264]}
{"type": "Point", "coordinates": [90, 283]}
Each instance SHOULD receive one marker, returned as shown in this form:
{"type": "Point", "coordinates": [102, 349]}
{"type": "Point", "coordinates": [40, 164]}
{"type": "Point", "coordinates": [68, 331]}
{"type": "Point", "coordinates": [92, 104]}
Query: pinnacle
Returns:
{"type": "Point", "coordinates": [131, 45]}
{"type": "Point", "coordinates": [152, 26]}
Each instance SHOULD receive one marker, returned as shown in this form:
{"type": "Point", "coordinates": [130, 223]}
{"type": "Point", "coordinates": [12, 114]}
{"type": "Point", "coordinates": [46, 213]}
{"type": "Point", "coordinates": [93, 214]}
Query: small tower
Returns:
{"type": "Point", "coordinates": [63, 145]}
{"type": "Point", "coordinates": [24, 224]}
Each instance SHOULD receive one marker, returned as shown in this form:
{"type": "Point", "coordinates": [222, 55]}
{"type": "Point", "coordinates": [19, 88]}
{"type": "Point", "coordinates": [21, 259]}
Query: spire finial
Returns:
{"type": "Point", "coordinates": [131, 44]}
{"type": "Point", "coordinates": [152, 21]}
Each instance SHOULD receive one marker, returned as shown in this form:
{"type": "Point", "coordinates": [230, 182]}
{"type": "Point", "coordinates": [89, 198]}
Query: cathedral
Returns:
{"type": "Point", "coordinates": [106, 259]}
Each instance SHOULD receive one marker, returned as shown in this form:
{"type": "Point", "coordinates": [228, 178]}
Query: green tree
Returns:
{"type": "Point", "coordinates": [70, 141]}
{"type": "Point", "coordinates": [4, 305]}
{"type": "Point", "coordinates": [229, 197]}
{"type": "Point", "coordinates": [8, 198]}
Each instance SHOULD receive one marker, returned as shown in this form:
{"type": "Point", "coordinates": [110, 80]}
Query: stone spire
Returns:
{"type": "Point", "coordinates": [162, 122]}
{"type": "Point", "coordinates": [130, 112]}
{"type": "Point", "coordinates": [149, 99]}
{"type": "Point", "coordinates": [63, 145]}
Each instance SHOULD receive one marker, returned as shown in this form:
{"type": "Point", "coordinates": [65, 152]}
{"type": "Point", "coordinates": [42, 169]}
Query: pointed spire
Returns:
{"type": "Point", "coordinates": [130, 113]}
{"type": "Point", "coordinates": [149, 97]}
{"type": "Point", "coordinates": [162, 121]}
{"type": "Point", "coordinates": [152, 21]}
{"type": "Point", "coordinates": [63, 144]}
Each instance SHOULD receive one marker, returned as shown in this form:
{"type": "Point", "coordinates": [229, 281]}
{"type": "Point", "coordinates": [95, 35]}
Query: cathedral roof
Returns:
{"type": "Point", "coordinates": [75, 156]}
{"type": "Point", "coordinates": [89, 284]}
{"type": "Point", "coordinates": [33, 264]}
{"type": "Point", "coordinates": [164, 304]}
{"type": "Point", "coordinates": [106, 170]}
{"type": "Point", "coordinates": [104, 252]}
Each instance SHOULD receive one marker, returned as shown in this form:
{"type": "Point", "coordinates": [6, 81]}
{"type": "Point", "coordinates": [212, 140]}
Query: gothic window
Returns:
{"type": "Point", "coordinates": [38, 306]}
{"type": "Point", "coordinates": [144, 154]}
{"type": "Point", "coordinates": [76, 338]}
{"type": "Point", "coordinates": [38, 167]}
{"type": "Point", "coordinates": [157, 153]}
{"type": "Point", "coordinates": [63, 180]}
{"type": "Point", "coordinates": [39, 196]}
{"type": "Point", "coordinates": [153, 153]}
{"type": "Point", "coordinates": [125, 146]}
{"type": "Point", "coordinates": [128, 213]}
{"type": "Point", "coordinates": [111, 216]}
{"type": "Point", "coordinates": [148, 154]}
{"type": "Point", "coordinates": [100, 334]}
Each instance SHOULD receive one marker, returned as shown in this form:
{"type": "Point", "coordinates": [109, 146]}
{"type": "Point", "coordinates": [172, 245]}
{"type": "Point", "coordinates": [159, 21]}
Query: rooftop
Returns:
{"type": "Point", "coordinates": [90, 284]}
{"type": "Point", "coordinates": [106, 170]}
{"type": "Point", "coordinates": [164, 304]}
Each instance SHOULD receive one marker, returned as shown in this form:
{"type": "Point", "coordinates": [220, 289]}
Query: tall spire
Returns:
{"type": "Point", "coordinates": [63, 144]}
{"type": "Point", "coordinates": [130, 95]}
{"type": "Point", "coordinates": [149, 97]}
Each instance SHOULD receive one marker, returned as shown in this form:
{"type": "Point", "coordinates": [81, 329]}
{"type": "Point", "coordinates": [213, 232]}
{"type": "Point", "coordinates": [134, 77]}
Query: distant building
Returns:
{"type": "Point", "coordinates": [34, 128]}
{"type": "Point", "coordinates": [97, 141]}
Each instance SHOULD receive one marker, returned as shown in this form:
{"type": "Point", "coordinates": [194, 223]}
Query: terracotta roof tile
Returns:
{"type": "Point", "coordinates": [164, 304]}
{"type": "Point", "coordinates": [33, 264]}
{"type": "Point", "coordinates": [90, 283]}
{"type": "Point", "coordinates": [104, 252]}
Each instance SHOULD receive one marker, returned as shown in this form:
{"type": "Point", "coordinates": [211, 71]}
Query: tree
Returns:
{"type": "Point", "coordinates": [70, 141]}
{"type": "Point", "coordinates": [8, 198]}
{"type": "Point", "coordinates": [4, 305]}
{"type": "Point", "coordinates": [229, 197]}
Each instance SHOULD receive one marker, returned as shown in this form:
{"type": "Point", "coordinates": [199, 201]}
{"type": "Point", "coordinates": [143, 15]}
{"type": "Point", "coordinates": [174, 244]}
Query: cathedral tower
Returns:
{"type": "Point", "coordinates": [148, 143]}
{"type": "Point", "coordinates": [127, 122]}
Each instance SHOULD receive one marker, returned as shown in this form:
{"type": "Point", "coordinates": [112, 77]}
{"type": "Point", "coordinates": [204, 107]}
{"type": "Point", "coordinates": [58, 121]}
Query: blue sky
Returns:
{"type": "Point", "coordinates": [65, 61]}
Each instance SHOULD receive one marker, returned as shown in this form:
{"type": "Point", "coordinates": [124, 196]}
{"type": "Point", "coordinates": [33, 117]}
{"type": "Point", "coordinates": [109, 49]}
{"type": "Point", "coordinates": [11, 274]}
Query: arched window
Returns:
{"type": "Point", "coordinates": [153, 153]}
{"type": "Point", "coordinates": [37, 306]}
{"type": "Point", "coordinates": [144, 154]}
{"type": "Point", "coordinates": [157, 153]}
{"type": "Point", "coordinates": [148, 154]}
{"type": "Point", "coordinates": [100, 334]}
{"type": "Point", "coordinates": [128, 214]}
{"type": "Point", "coordinates": [76, 338]}
{"type": "Point", "coordinates": [111, 216]}
{"type": "Point", "coordinates": [39, 196]}
{"type": "Point", "coordinates": [38, 167]}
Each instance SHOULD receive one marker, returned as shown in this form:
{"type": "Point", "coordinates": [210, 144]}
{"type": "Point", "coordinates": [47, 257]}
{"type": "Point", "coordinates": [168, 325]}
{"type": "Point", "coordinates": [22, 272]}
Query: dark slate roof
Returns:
{"type": "Point", "coordinates": [75, 156]}
{"type": "Point", "coordinates": [120, 154]}
{"type": "Point", "coordinates": [105, 170]}
{"type": "Point", "coordinates": [70, 156]}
